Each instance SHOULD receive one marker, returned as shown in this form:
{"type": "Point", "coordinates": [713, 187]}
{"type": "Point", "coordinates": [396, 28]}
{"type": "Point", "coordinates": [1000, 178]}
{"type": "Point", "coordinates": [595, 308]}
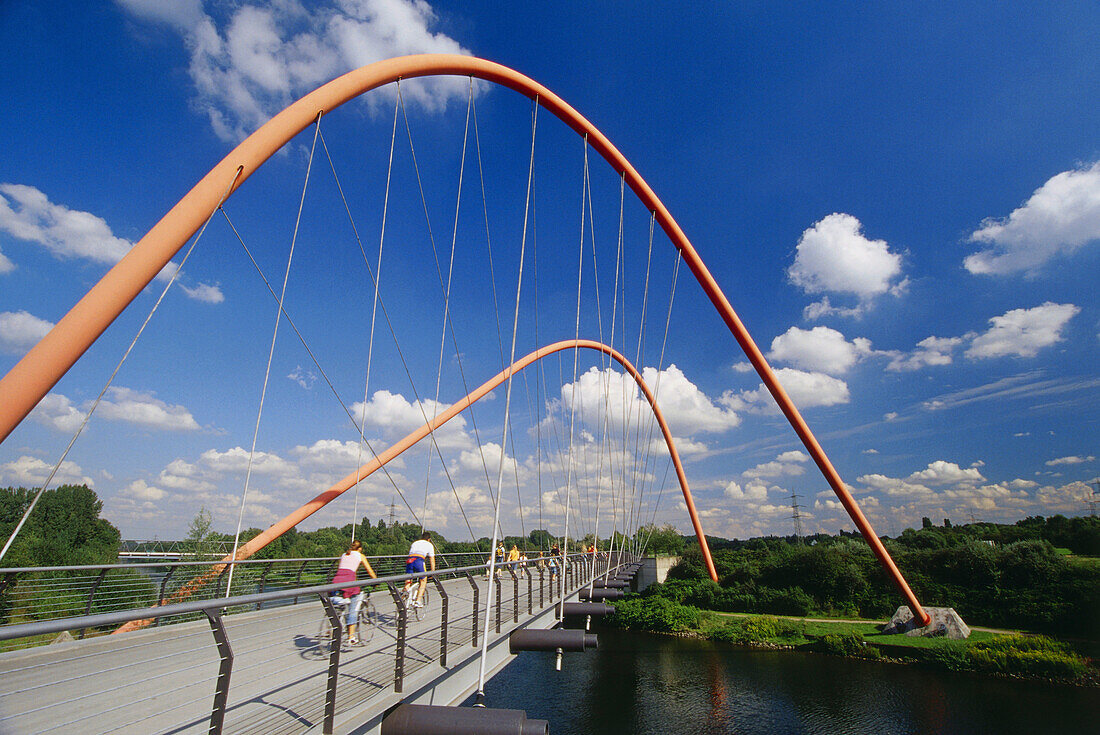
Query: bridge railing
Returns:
{"type": "Point", "coordinates": [29, 594]}
{"type": "Point", "coordinates": [284, 677]}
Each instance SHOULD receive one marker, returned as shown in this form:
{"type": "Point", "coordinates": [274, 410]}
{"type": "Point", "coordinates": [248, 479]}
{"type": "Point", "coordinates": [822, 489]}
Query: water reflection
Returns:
{"type": "Point", "coordinates": [640, 684]}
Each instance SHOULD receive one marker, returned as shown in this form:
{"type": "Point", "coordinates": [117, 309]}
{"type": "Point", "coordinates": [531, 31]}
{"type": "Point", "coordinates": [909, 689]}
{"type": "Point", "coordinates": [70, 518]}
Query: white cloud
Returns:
{"type": "Point", "coordinates": [754, 491]}
{"type": "Point", "coordinates": [6, 266]}
{"type": "Point", "coordinates": [929, 351]}
{"type": "Point", "coordinates": [20, 330]}
{"type": "Point", "coordinates": [235, 460]}
{"type": "Point", "coordinates": [142, 409]}
{"type": "Point", "coordinates": [806, 389]}
{"type": "Point", "coordinates": [946, 473]}
{"type": "Point", "coordinates": [1070, 460]}
{"type": "Point", "coordinates": [32, 472]}
{"type": "Point", "coordinates": [304, 378]}
{"type": "Point", "coordinates": [143, 491]}
{"type": "Point", "coordinates": [834, 256]}
{"type": "Point", "coordinates": [261, 58]}
{"type": "Point", "coordinates": [1023, 332]}
{"type": "Point", "coordinates": [786, 464]}
{"type": "Point", "coordinates": [58, 412]}
{"type": "Point", "coordinates": [396, 416]}
{"type": "Point", "coordinates": [819, 349]}
{"type": "Point", "coordinates": [687, 409]}
{"type": "Point", "coordinates": [1062, 215]}
{"type": "Point", "coordinates": [27, 214]}
{"type": "Point", "coordinates": [472, 461]}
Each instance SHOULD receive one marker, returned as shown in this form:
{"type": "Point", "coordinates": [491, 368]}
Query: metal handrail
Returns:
{"type": "Point", "coordinates": [22, 630]}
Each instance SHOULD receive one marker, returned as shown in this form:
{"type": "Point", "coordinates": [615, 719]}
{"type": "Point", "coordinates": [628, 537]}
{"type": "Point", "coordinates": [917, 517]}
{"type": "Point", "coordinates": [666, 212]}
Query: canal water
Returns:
{"type": "Point", "coordinates": [641, 684]}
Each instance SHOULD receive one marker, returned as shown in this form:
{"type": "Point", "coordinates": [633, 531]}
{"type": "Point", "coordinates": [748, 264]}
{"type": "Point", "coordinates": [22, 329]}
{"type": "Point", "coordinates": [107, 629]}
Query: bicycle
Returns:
{"type": "Point", "coordinates": [366, 620]}
{"type": "Point", "coordinates": [410, 600]}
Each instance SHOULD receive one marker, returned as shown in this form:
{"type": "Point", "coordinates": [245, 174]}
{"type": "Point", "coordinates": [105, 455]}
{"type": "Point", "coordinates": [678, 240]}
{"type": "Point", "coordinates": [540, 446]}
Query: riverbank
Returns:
{"type": "Point", "coordinates": [986, 651]}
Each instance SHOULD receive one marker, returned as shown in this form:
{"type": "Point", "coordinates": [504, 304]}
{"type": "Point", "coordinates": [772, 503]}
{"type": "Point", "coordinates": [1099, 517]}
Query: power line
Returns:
{"type": "Point", "coordinates": [796, 517]}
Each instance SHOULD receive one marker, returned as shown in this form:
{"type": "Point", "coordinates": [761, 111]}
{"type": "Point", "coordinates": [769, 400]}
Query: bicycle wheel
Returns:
{"type": "Point", "coordinates": [368, 618]}
{"type": "Point", "coordinates": [324, 636]}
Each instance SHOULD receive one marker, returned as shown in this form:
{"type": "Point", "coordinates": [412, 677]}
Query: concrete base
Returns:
{"type": "Point", "coordinates": [945, 622]}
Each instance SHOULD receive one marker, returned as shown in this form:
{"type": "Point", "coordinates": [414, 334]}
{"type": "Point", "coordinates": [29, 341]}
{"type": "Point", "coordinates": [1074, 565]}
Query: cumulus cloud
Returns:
{"type": "Point", "coordinates": [1070, 460]}
{"type": "Point", "coordinates": [29, 471]}
{"type": "Point", "coordinates": [257, 59]}
{"type": "Point", "coordinates": [786, 464]}
{"type": "Point", "coordinates": [930, 351]}
{"type": "Point", "coordinates": [1061, 216]}
{"type": "Point", "coordinates": [142, 409]}
{"type": "Point", "coordinates": [754, 491]}
{"type": "Point", "coordinates": [1023, 332]}
{"type": "Point", "coordinates": [396, 416]}
{"type": "Point", "coordinates": [806, 389]}
{"type": "Point", "coordinates": [235, 460]}
{"type": "Point", "coordinates": [833, 256]}
{"type": "Point", "coordinates": [819, 349]}
{"type": "Point", "coordinates": [21, 330]}
{"type": "Point", "coordinates": [118, 404]}
{"type": "Point", "coordinates": [304, 378]}
{"type": "Point", "coordinates": [27, 214]}
{"type": "Point", "coordinates": [687, 409]}
{"type": "Point", "coordinates": [945, 473]}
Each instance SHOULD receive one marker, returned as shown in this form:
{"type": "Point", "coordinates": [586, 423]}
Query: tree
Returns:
{"type": "Point", "coordinates": [926, 522]}
{"type": "Point", "coordinates": [63, 529]}
{"type": "Point", "coordinates": [200, 539]}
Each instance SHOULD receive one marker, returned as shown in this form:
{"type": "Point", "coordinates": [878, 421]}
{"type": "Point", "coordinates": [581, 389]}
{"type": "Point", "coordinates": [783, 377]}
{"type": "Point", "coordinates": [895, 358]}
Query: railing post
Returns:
{"type": "Point", "coordinates": [218, 581]}
{"type": "Point", "coordinates": [402, 632]}
{"type": "Point", "coordinates": [333, 661]}
{"type": "Point", "coordinates": [163, 589]}
{"type": "Point", "coordinates": [225, 668]}
{"type": "Point", "coordinates": [91, 596]}
{"type": "Point", "coordinates": [298, 578]}
{"type": "Point", "coordinates": [542, 588]}
{"type": "Point", "coordinates": [263, 581]}
{"type": "Point", "coordinates": [445, 603]}
{"type": "Point", "coordinates": [497, 582]}
{"type": "Point", "coordinates": [515, 594]}
{"type": "Point", "coordinates": [473, 585]}
{"type": "Point", "coordinates": [530, 595]}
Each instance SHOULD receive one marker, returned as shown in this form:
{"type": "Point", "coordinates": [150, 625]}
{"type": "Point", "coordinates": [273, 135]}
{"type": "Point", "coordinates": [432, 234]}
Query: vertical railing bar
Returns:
{"type": "Point", "coordinates": [473, 585]}
{"type": "Point", "coordinates": [335, 643]}
{"type": "Point", "coordinates": [443, 623]}
{"type": "Point", "coordinates": [402, 632]}
{"type": "Point", "coordinates": [263, 581]}
{"type": "Point", "coordinates": [298, 578]}
{"type": "Point", "coordinates": [225, 668]}
{"type": "Point", "coordinates": [515, 593]}
{"type": "Point", "coordinates": [497, 582]}
{"type": "Point", "coordinates": [91, 597]}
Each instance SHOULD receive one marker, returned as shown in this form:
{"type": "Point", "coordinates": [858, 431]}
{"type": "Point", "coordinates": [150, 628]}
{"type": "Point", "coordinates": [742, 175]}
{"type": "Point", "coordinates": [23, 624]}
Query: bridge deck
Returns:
{"type": "Point", "coordinates": [163, 679]}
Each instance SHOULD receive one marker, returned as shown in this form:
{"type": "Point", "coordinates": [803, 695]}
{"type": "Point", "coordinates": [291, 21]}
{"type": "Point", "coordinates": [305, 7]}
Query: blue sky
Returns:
{"type": "Point", "coordinates": [902, 204]}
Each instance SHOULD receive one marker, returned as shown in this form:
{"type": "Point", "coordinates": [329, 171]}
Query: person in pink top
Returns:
{"type": "Point", "coordinates": [346, 572]}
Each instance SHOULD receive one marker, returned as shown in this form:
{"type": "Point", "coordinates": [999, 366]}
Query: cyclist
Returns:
{"type": "Point", "coordinates": [346, 572]}
{"type": "Point", "coordinates": [420, 550]}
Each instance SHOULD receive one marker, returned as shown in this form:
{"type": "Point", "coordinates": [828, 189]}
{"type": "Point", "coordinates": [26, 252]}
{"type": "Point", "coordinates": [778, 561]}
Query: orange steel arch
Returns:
{"type": "Point", "coordinates": [293, 519]}
{"type": "Point", "coordinates": [25, 385]}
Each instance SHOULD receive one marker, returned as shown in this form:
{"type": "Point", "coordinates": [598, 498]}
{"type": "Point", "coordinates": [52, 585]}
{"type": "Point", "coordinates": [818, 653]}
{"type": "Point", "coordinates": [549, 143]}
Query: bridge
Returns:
{"type": "Point", "coordinates": [265, 661]}
{"type": "Point", "coordinates": [585, 439]}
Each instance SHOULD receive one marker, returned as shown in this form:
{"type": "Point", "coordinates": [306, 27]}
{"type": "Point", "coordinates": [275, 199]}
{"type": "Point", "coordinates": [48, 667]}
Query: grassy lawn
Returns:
{"type": "Point", "coordinates": [809, 630]}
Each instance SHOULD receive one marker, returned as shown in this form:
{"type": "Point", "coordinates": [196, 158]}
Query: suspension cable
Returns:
{"type": "Point", "coordinates": [507, 408]}
{"type": "Point", "coordinates": [271, 351]}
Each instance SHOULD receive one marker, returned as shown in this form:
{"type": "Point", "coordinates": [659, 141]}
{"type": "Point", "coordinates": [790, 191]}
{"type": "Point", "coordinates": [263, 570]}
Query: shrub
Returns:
{"type": "Point", "coordinates": [655, 614]}
{"type": "Point", "coordinates": [842, 644]}
{"type": "Point", "coordinates": [1027, 655]}
{"type": "Point", "coordinates": [951, 655]}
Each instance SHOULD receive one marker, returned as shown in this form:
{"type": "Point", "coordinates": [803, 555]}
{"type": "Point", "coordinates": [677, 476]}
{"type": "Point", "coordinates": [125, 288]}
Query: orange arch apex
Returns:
{"type": "Point", "coordinates": [365, 471]}
{"type": "Point", "coordinates": [40, 369]}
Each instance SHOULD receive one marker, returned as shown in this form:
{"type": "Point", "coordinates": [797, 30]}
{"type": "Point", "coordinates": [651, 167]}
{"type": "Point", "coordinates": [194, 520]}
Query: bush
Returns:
{"type": "Point", "coordinates": [1027, 655]}
{"type": "Point", "coordinates": [842, 644]}
{"type": "Point", "coordinates": [951, 655]}
{"type": "Point", "coordinates": [654, 614]}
